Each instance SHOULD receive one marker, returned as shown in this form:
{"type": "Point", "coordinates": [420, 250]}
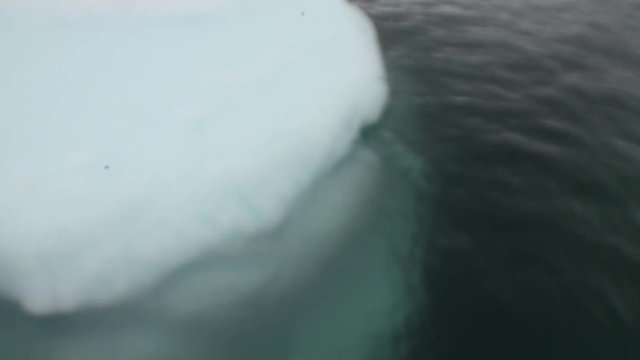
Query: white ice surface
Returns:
{"type": "Point", "coordinates": [136, 136]}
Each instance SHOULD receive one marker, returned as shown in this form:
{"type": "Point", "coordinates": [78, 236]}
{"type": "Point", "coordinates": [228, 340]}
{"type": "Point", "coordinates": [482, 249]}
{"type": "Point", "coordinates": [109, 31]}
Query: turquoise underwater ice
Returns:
{"type": "Point", "coordinates": [188, 180]}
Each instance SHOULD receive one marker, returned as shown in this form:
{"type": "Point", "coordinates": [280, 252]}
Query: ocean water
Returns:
{"type": "Point", "coordinates": [527, 117]}
{"type": "Point", "coordinates": [492, 214]}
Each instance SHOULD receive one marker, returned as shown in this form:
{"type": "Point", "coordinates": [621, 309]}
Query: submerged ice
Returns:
{"type": "Point", "coordinates": [137, 137]}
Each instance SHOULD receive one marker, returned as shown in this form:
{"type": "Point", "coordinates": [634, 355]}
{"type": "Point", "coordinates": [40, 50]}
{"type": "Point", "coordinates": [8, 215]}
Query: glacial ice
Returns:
{"type": "Point", "coordinates": [137, 136]}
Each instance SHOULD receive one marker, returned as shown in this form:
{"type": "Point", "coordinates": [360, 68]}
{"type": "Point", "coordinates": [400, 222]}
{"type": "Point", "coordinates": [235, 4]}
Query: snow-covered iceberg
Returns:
{"type": "Point", "coordinates": [136, 136]}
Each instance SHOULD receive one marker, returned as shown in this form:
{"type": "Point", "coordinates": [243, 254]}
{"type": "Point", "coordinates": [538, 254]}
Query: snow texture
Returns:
{"type": "Point", "coordinates": [137, 136]}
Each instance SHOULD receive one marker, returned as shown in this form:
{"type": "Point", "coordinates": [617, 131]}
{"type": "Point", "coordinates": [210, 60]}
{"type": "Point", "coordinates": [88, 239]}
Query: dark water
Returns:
{"type": "Point", "coordinates": [528, 116]}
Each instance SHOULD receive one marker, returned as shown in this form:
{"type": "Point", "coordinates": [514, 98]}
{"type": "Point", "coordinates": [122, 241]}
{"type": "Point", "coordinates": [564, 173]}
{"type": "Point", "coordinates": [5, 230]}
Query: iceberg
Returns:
{"type": "Point", "coordinates": [137, 137]}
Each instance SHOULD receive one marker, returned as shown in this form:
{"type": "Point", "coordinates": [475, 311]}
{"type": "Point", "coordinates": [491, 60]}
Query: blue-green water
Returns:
{"type": "Point", "coordinates": [528, 116]}
{"type": "Point", "coordinates": [504, 178]}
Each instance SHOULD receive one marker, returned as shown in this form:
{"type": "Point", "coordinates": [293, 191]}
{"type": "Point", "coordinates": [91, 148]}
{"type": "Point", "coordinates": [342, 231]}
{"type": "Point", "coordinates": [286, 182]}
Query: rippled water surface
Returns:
{"type": "Point", "coordinates": [515, 127]}
{"type": "Point", "coordinates": [528, 117]}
